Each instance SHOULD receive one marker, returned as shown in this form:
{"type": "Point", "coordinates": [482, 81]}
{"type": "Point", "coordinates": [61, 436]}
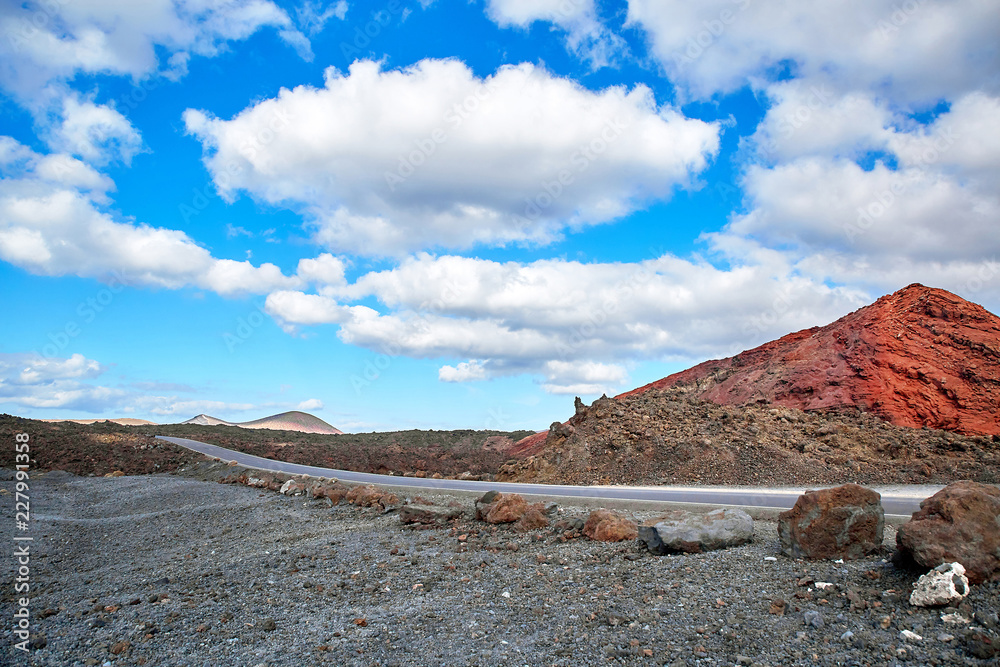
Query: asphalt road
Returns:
{"type": "Point", "coordinates": [897, 501]}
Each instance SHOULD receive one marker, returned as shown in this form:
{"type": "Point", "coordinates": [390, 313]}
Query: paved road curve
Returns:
{"type": "Point", "coordinates": [899, 501]}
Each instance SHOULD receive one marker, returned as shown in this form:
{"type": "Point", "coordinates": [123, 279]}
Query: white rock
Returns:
{"type": "Point", "coordinates": [770, 559]}
{"type": "Point", "coordinates": [824, 585]}
{"type": "Point", "coordinates": [954, 618]}
{"type": "Point", "coordinates": [909, 636]}
{"type": "Point", "coordinates": [944, 584]}
{"type": "Point", "coordinates": [505, 594]}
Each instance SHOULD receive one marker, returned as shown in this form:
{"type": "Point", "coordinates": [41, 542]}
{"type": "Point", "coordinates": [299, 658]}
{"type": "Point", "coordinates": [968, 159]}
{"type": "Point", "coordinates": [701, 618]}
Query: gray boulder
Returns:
{"type": "Point", "coordinates": [428, 514]}
{"type": "Point", "coordinates": [689, 532]}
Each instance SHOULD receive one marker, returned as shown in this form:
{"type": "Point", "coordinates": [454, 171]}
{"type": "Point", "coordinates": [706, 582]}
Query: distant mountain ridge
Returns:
{"type": "Point", "coordinates": [293, 420]}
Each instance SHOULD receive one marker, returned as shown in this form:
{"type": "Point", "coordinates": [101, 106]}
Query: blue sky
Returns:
{"type": "Point", "coordinates": [448, 214]}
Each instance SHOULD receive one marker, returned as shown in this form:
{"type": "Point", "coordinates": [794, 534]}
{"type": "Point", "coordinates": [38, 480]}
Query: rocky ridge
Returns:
{"type": "Point", "coordinates": [668, 436]}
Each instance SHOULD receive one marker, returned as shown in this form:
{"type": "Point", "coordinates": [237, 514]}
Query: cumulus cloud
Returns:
{"type": "Point", "coordinates": [467, 371]}
{"type": "Point", "coordinates": [922, 211]}
{"type": "Point", "coordinates": [572, 324]}
{"type": "Point", "coordinates": [34, 381]}
{"type": "Point", "coordinates": [52, 41]}
{"type": "Point", "coordinates": [917, 52]}
{"type": "Point", "coordinates": [51, 223]}
{"type": "Point", "coordinates": [586, 36]}
{"type": "Point", "coordinates": [581, 377]}
{"type": "Point", "coordinates": [325, 271]}
{"type": "Point", "coordinates": [95, 132]}
{"type": "Point", "coordinates": [310, 404]}
{"type": "Point", "coordinates": [386, 162]}
{"type": "Point", "coordinates": [37, 369]}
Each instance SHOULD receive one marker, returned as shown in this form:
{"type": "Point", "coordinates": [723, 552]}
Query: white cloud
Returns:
{"type": "Point", "coordinates": [31, 380]}
{"type": "Point", "coordinates": [385, 162]}
{"type": "Point", "coordinates": [585, 34]}
{"type": "Point", "coordinates": [313, 16]}
{"type": "Point", "coordinates": [964, 140]}
{"type": "Point", "coordinates": [310, 404]}
{"type": "Point", "coordinates": [880, 228]}
{"type": "Point", "coordinates": [95, 132]}
{"type": "Point", "coordinates": [52, 41]}
{"type": "Point", "coordinates": [466, 371]}
{"type": "Point", "coordinates": [573, 324]}
{"type": "Point", "coordinates": [325, 271]}
{"type": "Point", "coordinates": [582, 378]}
{"type": "Point", "coordinates": [51, 225]}
{"type": "Point", "coordinates": [806, 119]}
{"type": "Point", "coordinates": [917, 51]}
{"type": "Point", "coordinates": [925, 211]}
{"type": "Point", "coordinates": [41, 369]}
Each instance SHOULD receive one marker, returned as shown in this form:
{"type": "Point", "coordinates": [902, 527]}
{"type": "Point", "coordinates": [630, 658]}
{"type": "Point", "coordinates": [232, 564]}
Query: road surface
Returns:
{"type": "Point", "coordinates": [900, 501]}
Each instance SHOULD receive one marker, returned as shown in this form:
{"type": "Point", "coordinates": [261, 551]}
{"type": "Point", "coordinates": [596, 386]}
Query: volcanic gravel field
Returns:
{"type": "Point", "coordinates": [169, 569]}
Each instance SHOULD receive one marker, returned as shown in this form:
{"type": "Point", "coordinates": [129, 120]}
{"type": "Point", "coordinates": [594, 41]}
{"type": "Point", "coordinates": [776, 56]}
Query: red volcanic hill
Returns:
{"type": "Point", "coordinates": [918, 357]}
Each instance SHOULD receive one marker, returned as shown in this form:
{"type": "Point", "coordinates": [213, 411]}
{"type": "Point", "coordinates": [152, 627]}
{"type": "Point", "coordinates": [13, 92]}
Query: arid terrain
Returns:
{"type": "Point", "coordinates": [105, 447]}
{"type": "Point", "coordinates": [177, 569]}
{"type": "Point", "coordinates": [905, 390]}
{"type": "Point", "coordinates": [666, 436]}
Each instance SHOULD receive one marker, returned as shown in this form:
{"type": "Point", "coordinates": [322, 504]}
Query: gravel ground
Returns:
{"type": "Point", "coordinates": [171, 570]}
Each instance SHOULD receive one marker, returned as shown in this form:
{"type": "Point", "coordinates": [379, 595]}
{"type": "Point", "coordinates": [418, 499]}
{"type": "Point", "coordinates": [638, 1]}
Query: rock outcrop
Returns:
{"type": "Point", "coordinates": [918, 357]}
{"type": "Point", "coordinates": [960, 523]}
{"type": "Point", "coordinates": [688, 532]}
{"type": "Point", "coordinates": [844, 522]}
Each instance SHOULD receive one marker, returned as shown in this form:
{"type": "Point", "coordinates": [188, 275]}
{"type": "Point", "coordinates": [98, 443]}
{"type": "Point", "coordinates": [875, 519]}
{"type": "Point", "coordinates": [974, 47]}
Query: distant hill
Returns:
{"type": "Point", "coordinates": [285, 421]}
{"type": "Point", "coordinates": [205, 420]}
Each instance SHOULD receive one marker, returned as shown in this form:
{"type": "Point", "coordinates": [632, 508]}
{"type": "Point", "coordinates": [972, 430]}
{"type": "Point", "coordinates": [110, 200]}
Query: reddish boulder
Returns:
{"type": "Point", "coordinates": [607, 526]}
{"type": "Point", "coordinates": [844, 522]}
{"type": "Point", "coordinates": [364, 495]}
{"type": "Point", "coordinates": [334, 491]}
{"type": "Point", "coordinates": [495, 507]}
{"type": "Point", "coordinates": [533, 519]}
{"type": "Point", "coordinates": [960, 523]}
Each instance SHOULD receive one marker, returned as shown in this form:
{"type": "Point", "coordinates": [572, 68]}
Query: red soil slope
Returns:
{"type": "Point", "coordinates": [918, 357]}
